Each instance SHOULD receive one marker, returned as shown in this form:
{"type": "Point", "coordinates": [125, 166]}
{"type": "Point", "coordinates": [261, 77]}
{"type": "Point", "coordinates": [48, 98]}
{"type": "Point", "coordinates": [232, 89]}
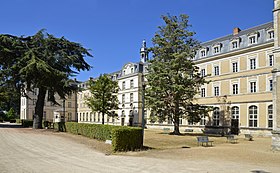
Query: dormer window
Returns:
{"type": "Point", "coordinates": [270, 34]}
{"type": "Point", "coordinates": [203, 53]}
{"type": "Point", "coordinates": [234, 45]}
{"type": "Point", "coordinates": [253, 38]}
{"type": "Point", "coordinates": [235, 42]}
{"type": "Point", "coordinates": [217, 48]}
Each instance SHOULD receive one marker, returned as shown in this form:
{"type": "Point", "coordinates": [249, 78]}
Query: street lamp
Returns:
{"type": "Point", "coordinates": [143, 105]}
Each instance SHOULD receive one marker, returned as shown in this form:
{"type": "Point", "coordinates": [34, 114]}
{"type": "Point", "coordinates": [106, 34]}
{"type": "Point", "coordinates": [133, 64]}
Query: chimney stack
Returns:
{"type": "Point", "coordinates": [236, 31]}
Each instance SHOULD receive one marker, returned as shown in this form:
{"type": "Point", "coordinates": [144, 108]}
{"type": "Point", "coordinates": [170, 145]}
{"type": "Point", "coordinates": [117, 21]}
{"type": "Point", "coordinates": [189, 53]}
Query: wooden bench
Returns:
{"type": "Point", "coordinates": [166, 130]}
{"type": "Point", "coordinates": [232, 139]}
{"type": "Point", "coordinates": [249, 137]}
{"type": "Point", "coordinates": [203, 140]}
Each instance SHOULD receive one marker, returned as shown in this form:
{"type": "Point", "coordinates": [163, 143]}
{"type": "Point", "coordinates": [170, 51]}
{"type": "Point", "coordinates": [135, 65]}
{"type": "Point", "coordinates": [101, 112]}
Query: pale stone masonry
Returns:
{"type": "Point", "coordinates": [276, 78]}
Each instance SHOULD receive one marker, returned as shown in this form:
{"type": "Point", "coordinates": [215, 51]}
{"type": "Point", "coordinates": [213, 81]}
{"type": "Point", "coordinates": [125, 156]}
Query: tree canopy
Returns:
{"type": "Point", "coordinates": [173, 78]}
{"type": "Point", "coordinates": [41, 61]}
{"type": "Point", "coordinates": [103, 97]}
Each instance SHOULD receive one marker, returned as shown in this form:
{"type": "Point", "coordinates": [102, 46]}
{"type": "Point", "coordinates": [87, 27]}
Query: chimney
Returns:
{"type": "Point", "coordinates": [236, 31]}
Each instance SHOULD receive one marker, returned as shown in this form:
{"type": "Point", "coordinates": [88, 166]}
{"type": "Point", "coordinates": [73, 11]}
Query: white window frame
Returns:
{"type": "Point", "coordinates": [203, 53]}
{"type": "Point", "coordinates": [235, 69]}
{"type": "Point", "coordinates": [251, 37]}
{"type": "Point", "coordinates": [216, 49]}
{"type": "Point", "coordinates": [216, 70]}
{"type": "Point", "coordinates": [203, 72]}
{"type": "Point", "coordinates": [253, 116]}
{"type": "Point", "coordinates": [234, 91]}
{"type": "Point", "coordinates": [216, 116]}
{"type": "Point", "coordinates": [270, 34]}
{"type": "Point", "coordinates": [203, 92]}
{"type": "Point", "coordinates": [235, 115]}
{"type": "Point", "coordinates": [268, 84]}
{"type": "Point", "coordinates": [269, 115]}
{"type": "Point", "coordinates": [249, 60]}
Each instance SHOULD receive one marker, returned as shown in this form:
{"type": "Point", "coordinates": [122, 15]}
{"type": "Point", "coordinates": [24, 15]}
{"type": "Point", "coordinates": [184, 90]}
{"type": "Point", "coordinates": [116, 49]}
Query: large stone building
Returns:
{"type": "Point", "coordinates": [243, 68]}
{"type": "Point", "coordinates": [67, 107]}
{"type": "Point", "coordinates": [129, 79]}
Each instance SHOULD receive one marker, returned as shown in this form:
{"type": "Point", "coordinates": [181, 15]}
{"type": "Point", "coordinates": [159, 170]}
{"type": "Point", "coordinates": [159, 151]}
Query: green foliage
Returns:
{"type": "Point", "coordinates": [123, 138]}
{"type": "Point", "coordinates": [11, 114]}
{"type": "Point", "coordinates": [41, 61]}
{"type": "Point", "coordinates": [173, 78]}
{"type": "Point", "coordinates": [27, 123]}
{"type": "Point", "coordinates": [103, 96]}
{"type": "Point", "coordinates": [127, 139]}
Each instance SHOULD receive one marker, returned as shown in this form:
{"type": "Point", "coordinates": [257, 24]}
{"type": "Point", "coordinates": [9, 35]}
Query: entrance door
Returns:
{"type": "Point", "coordinates": [234, 129]}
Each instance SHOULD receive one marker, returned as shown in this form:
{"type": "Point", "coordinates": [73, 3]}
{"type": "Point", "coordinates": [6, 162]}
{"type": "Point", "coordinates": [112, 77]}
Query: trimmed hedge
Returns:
{"type": "Point", "coordinates": [127, 139]}
{"type": "Point", "coordinates": [27, 123]}
{"type": "Point", "coordinates": [123, 138]}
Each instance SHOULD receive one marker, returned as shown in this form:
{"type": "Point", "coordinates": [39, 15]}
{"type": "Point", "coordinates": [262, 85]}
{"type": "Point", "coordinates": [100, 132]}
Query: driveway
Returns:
{"type": "Point", "coordinates": [27, 150]}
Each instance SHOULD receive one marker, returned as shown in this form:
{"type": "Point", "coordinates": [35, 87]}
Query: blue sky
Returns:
{"type": "Point", "coordinates": [114, 30]}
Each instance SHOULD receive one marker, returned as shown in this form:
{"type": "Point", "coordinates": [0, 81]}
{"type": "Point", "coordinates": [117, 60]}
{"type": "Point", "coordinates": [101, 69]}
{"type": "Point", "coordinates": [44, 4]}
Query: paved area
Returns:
{"type": "Point", "coordinates": [27, 150]}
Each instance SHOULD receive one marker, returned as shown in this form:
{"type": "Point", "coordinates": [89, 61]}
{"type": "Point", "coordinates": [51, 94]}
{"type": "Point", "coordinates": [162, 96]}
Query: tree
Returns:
{"type": "Point", "coordinates": [173, 78]}
{"type": "Point", "coordinates": [44, 62]}
{"type": "Point", "coordinates": [103, 96]}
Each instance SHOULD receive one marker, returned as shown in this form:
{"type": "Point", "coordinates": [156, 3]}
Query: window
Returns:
{"type": "Point", "coordinates": [270, 34]}
{"type": "Point", "coordinates": [253, 87]}
{"type": "Point", "coordinates": [216, 70]}
{"type": "Point", "coordinates": [270, 116]}
{"type": "Point", "coordinates": [202, 92]}
{"type": "Point", "coordinates": [203, 53]}
{"type": "Point", "coordinates": [235, 112]}
{"type": "Point", "coordinates": [202, 120]}
{"type": "Point", "coordinates": [271, 60]}
{"type": "Point", "coordinates": [83, 117]}
{"type": "Point", "coordinates": [216, 117]}
{"type": "Point", "coordinates": [69, 117]}
{"type": "Point", "coordinates": [270, 85]}
{"type": "Point", "coordinates": [253, 116]}
{"type": "Point", "coordinates": [86, 116]}
{"type": "Point", "coordinates": [234, 67]}
{"type": "Point", "coordinates": [69, 105]}
{"type": "Point", "coordinates": [216, 91]}
{"type": "Point", "coordinates": [90, 117]}
{"type": "Point", "coordinates": [131, 70]}
{"type": "Point", "coordinates": [252, 63]}
{"type": "Point", "coordinates": [123, 115]}
{"type": "Point", "coordinates": [234, 44]}
{"type": "Point", "coordinates": [123, 85]}
{"type": "Point", "coordinates": [94, 117]}
{"type": "Point", "coordinates": [123, 98]}
{"type": "Point", "coordinates": [235, 89]}
{"type": "Point", "coordinates": [252, 40]}
{"type": "Point", "coordinates": [202, 72]}
{"type": "Point", "coordinates": [216, 49]}
{"type": "Point", "coordinates": [98, 118]}
{"type": "Point", "coordinates": [131, 97]}
{"type": "Point", "coordinates": [80, 116]}
{"type": "Point", "coordinates": [131, 83]}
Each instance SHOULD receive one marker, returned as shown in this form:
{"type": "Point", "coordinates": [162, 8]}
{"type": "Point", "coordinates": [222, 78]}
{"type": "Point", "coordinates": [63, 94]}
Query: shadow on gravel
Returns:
{"type": "Point", "coordinates": [10, 125]}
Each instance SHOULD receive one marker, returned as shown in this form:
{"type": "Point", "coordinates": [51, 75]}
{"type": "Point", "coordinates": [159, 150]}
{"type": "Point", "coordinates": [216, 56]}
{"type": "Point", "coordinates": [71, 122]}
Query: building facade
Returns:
{"type": "Point", "coordinates": [129, 79]}
{"type": "Point", "coordinates": [67, 107]}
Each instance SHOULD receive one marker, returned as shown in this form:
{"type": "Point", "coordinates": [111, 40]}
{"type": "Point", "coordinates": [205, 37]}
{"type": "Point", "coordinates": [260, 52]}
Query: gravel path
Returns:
{"type": "Point", "coordinates": [27, 150]}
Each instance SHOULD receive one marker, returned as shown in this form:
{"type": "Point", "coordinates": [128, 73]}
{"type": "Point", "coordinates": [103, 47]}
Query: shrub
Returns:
{"type": "Point", "coordinates": [12, 121]}
{"type": "Point", "coordinates": [127, 139]}
{"type": "Point", "coordinates": [123, 138]}
{"type": "Point", "coordinates": [27, 123]}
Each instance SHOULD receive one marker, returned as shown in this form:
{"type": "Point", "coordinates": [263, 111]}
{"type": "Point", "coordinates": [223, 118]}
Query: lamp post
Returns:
{"type": "Point", "coordinates": [143, 106]}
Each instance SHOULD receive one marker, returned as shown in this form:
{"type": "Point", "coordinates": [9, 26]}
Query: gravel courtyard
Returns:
{"type": "Point", "coordinates": [27, 150]}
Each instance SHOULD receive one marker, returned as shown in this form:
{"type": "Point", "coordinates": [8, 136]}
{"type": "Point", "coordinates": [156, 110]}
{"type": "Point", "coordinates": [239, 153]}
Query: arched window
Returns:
{"type": "Point", "coordinates": [253, 116]}
{"type": "Point", "coordinates": [235, 112]}
{"type": "Point", "coordinates": [216, 116]}
{"type": "Point", "coordinates": [270, 116]}
{"type": "Point", "coordinates": [86, 116]}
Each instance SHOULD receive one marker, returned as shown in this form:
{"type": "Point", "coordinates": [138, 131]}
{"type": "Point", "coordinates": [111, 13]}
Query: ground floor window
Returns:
{"type": "Point", "coordinates": [270, 116]}
{"type": "Point", "coordinates": [253, 116]}
{"type": "Point", "coordinates": [216, 117]}
{"type": "Point", "coordinates": [235, 112]}
{"type": "Point", "coordinates": [202, 120]}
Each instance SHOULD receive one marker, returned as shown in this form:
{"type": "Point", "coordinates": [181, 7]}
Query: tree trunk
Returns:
{"type": "Point", "coordinates": [176, 125]}
{"type": "Point", "coordinates": [103, 117]}
{"type": "Point", "coordinates": [39, 109]}
{"type": "Point", "coordinates": [176, 120]}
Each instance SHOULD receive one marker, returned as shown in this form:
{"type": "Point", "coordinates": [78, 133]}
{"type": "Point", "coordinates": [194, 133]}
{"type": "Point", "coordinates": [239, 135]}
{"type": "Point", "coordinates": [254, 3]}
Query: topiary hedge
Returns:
{"type": "Point", "coordinates": [123, 138]}
{"type": "Point", "coordinates": [127, 139]}
{"type": "Point", "coordinates": [27, 123]}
